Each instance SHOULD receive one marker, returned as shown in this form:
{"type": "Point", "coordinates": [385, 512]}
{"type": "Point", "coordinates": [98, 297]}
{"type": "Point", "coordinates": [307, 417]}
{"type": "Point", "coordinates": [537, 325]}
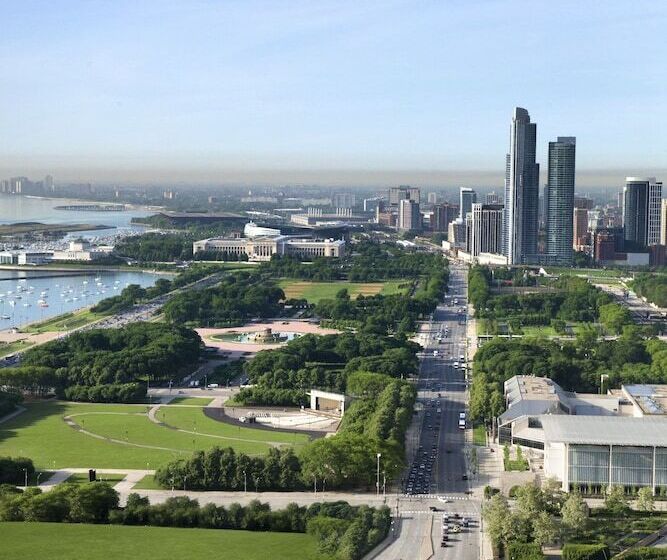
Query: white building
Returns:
{"type": "Point", "coordinates": [409, 217]}
{"type": "Point", "coordinates": [81, 251]}
{"type": "Point", "coordinates": [263, 248]}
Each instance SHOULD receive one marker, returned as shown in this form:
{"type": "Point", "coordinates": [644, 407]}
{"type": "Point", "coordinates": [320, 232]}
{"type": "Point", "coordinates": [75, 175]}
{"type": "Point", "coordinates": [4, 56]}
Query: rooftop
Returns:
{"type": "Point", "coordinates": [650, 399]}
{"type": "Point", "coordinates": [605, 430]}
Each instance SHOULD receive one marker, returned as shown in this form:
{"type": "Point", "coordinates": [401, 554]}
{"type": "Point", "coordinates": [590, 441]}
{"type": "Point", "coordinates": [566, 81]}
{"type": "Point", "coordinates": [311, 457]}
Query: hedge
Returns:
{"type": "Point", "coordinates": [523, 551]}
{"type": "Point", "coordinates": [646, 553]}
{"type": "Point", "coordinates": [586, 552]}
{"type": "Point", "coordinates": [12, 470]}
{"type": "Point", "coordinates": [115, 392]}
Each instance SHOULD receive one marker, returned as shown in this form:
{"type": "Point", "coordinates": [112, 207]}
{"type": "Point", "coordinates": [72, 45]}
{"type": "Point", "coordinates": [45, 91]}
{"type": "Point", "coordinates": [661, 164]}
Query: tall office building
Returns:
{"type": "Point", "coordinates": [663, 222]}
{"type": "Point", "coordinates": [493, 198]}
{"type": "Point", "coordinates": [396, 194]}
{"type": "Point", "coordinates": [468, 198]}
{"type": "Point", "coordinates": [409, 216]}
{"type": "Point", "coordinates": [559, 198]}
{"type": "Point", "coordinates": [443, 215]}
{"type": "Point", "coordinates": [486, 229]}
{"type": "Point", "coordinates": [642, 198]}
{"type": "Point", "coordinates": [521, 190]}
{"type": "Point", "coordinates": [432, 198]}
{"type": "Point", "coordinates": [580, 227]}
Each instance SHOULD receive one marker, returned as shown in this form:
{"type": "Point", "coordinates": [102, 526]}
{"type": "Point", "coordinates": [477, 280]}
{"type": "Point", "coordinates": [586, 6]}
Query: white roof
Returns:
{"type": "Point", "coordinates": [606, 430]}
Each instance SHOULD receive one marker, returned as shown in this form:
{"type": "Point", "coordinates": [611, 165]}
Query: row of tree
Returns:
{"type": "Point", "coordinates": [156, 247]}
{"type": "Point", "coordinates": [651, 286]}
{"type": "Point", "coordinates": [344, 532]}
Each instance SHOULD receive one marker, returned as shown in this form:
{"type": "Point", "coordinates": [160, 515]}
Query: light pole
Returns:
{"type": "Point", "coordinates": [377, 478]}
{"type": "Point", "coordinates": [25, 471]}
{"type": "Point", "coordinates": [245, 482]}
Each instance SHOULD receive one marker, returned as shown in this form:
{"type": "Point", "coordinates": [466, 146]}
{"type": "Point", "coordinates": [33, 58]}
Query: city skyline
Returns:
{"type": "Point", "coordinates": [323, 93]}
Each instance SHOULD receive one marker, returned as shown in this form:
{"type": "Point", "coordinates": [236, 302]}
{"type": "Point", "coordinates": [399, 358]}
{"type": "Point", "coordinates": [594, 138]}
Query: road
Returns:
{"type": "Point", "coordinates": [437, 476]}
{"type": "Point", "coordinates": [642, 313]}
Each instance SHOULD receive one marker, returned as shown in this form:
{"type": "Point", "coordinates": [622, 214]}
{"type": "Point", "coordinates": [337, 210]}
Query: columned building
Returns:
{"type": "Point", "coordinates": [521, 190]}
{"type": "Point", "coordinates": [559, 198]}
{"type": "Point", "coordinates": [486, 229]}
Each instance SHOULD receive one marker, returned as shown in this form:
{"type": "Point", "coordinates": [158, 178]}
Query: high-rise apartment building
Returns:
{"type": "Point", "coordinates": [521, 190]}
{"type": "Point", "coordinates": [642, 198]}
{"type": "Point", "coordinates": [432, 198]}
{"type": "Point", "coordinates": [663, 222]}
{"type": "Point", "coordinates": [343, 200]}
{"type": "Point", "coordinates": [559, 198]}
{"type": "Point", "coordinates": [443, 215]}
{"type": "Point", "coordinates": [468, 198]}
{"type": "Point", "coordinates": [580, 227]}
{"type": "Point", "coordinates": [486, 229]}
{"type": "Point", "coordinates": [409, 216]}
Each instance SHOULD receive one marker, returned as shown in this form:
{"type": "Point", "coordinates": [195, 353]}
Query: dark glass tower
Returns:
{"type": "Point", "coordinates": [559, 198]}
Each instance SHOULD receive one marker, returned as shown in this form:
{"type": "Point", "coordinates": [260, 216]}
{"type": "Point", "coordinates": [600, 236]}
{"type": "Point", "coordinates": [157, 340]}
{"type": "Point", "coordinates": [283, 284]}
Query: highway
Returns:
{"type": "Point", "coordinates": [437, 476]}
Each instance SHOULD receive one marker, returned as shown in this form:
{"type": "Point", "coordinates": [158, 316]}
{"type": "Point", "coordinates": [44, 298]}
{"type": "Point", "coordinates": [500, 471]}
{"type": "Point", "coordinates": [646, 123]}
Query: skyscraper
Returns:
{"type": "Point", "coordinates": [641, 210]}
{"type": "Point", "coordinates": [409, 217]}
{"type": "Point", "coordinates": [443, 215]}
{"type": "Point", "coordinates": [396, 194]}
{"type": "Point", "coordinates": [580, 223]}
{"type": "Point", "coordinates": [663, 222]}
{"type": "Point", "coordinates": [560, 198]}
{"type": "Point", "coordinates": [486, 229]}
{"type": "Point", "coordinates": [468, 197]}
{"type": "Point", "coordinates": [521, 190]}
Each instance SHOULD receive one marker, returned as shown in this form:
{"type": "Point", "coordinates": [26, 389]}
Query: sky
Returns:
{"type": "Point", "coordinates": [323, 92]}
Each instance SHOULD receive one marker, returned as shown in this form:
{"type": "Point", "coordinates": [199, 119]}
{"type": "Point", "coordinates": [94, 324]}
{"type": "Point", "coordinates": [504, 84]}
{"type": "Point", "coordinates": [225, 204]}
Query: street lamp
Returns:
{"type": "Point", "coordinates": [245, 482]}
{"type": "Point", "coordinates": [377, 481]}
{"type": "Point", "coordinates": [25, 471]}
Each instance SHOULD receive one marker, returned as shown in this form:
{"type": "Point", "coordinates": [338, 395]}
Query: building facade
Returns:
{"type": "Point", "coordinates": [580, 228]}
{"type": "Point", "coordinates": [486, 229]}
{"type": "Point", "coordinates": [559, 199]}
{"type": "Point", "coordinates": [521, 190]}
{"type": "Point", "coordinates": [467, 197]}
{"type": "Point", "coordinates": [642, 206]}
{"type": "Point", "coordinates": [409, 216]}
{"type": "Point", "coordinates": [443, 215]}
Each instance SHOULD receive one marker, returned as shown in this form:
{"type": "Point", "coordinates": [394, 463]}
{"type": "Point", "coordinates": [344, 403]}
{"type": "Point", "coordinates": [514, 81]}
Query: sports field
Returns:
{"type": "Point", "coordinates": [315, 291]}
{"type": "Point", "coordinates": [65, 541]}
{"type": "Point", "coordinates": [122, 436]}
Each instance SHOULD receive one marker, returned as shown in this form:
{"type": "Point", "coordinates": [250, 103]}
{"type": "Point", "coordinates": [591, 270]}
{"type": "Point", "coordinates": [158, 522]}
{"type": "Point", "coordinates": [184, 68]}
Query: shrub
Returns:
{"type": "Point", "coordinates": [523, 551]}
{"type": "Point", "coordinates": [586, 552]}
{"type": "Point", "coordinates": [13, 470]}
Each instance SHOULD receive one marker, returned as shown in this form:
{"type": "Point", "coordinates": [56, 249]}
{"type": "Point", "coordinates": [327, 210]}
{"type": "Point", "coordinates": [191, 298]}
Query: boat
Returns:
{"type": "Point", "coordinates": [12, 303]}
{"type": "Point", "coordinates": [44, 304]}
{"type": "Point", "coordinates": [26, 305]}
{"type": "Point", "coordinates": [5, 317]}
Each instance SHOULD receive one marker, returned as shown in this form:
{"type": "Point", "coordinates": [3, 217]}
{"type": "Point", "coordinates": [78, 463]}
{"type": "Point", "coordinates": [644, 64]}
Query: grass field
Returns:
{"type": "Point", "coordinates": [65, 541]}
{"type": "Point", "coordinates": [12, 347]}
{"type": "Point", "coordinates": [479, 435]}
{"type": "Point", "coordinates": [589, 272]}
{"type": "Point", "coordinates": [315, 291]}
{"type": "Point", "coordinates": [67, 321]}
{"type": "Point", "coordinates": [42, 434]}
{"type": "Point", "coordinates": [147, 483]}
{"type": "Point", "coordinates": [192, 401]}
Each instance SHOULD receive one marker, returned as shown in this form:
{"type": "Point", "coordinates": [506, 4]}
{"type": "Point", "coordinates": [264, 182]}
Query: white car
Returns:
{"type": "Point", "coordinates": [444, 500]}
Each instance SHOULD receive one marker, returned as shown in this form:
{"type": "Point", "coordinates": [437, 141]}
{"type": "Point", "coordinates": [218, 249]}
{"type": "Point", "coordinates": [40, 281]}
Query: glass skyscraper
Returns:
{"type": "Point", "coordinates": [521, 190]}
{"type": "Point", "coordinates": [559, 199]}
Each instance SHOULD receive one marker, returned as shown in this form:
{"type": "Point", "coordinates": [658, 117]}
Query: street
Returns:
{"type": "Point", "coordinates": [438, 475]}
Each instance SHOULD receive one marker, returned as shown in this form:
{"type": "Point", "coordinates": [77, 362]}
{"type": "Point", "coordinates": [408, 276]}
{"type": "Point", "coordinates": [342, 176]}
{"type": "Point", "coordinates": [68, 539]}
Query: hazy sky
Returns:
{"type": "Point", "coordinates": [328, 92]}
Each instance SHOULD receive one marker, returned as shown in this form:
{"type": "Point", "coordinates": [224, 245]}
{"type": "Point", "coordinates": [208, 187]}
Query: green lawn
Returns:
{"type": "Point", "coordinates": [41, 434]}
{"type": "Point", "coordinates": [192, 401]}
{"type": "Point", "coordinates": [479, 435]}
{"type": "Point", "coordinates": [12, 347]}
{"type": "Point", "coordinates": [82, 478]}
{"type": "Point", "coordinates": [589, 272]}
{"type": "Point", "coordinates": [64, 541]}
{"type": "Point", "coordinates": [536, 330]}
{"type": "Point", "coordinates": [147, 483]}
{"type": "Point", "coordinates": [65, 322]}
{"type": "Point", "coordinates": [315, 291]}
{"type": "Point", "coordinates": [195, 420]}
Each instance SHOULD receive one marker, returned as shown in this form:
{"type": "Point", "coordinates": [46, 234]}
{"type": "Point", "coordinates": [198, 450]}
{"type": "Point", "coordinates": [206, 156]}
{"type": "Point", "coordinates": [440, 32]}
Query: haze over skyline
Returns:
{"type": "Point", "coordinates": [331, 93]}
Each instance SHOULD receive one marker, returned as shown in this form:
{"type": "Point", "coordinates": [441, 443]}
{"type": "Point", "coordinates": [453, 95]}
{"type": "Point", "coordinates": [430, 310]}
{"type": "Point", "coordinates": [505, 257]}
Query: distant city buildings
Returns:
{"type": "Point", "coordinates": [409, 216]}
{"type": "Point", "coordinates": [493, 198]}
{"type": "Point", "coordinates": [343, 200]}
{"type": "Point", "coordinates": [396, 194]}
{"type": "Point", "coordinates": [443, 215]}
{"type": "Point", "coordinates": [467, 197]}
{"type": "Point", "coordinates": [432, 198]}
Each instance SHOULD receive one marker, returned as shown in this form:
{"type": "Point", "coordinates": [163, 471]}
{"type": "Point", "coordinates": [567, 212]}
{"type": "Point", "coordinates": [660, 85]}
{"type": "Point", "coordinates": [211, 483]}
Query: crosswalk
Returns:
{"type": "Point", "coordinates": [434, 497]}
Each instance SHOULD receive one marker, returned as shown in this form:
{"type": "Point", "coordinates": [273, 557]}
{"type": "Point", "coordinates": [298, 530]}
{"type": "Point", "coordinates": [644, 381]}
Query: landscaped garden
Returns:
{"type": "Point", "coordinates": [316, 291]}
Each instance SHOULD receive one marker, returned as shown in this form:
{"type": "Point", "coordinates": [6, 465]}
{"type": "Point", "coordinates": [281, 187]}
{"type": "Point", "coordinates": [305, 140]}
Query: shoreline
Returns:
{"type": "Point", "coordinates": [84, 269]}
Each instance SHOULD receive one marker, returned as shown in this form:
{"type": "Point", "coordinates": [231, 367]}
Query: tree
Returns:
{"type": "Point", "coordinates": [495, 513]}
{"type": "Point", "coordinates": [574, 513]}
{"type": "Point", "coordinates": [545, 529]}
{"type": "Point", "coordinates": [91, 503]}
{"type": "Point", "coordinates": [645, 500]}
{"type": "Point", "coordinates": [615, 501]}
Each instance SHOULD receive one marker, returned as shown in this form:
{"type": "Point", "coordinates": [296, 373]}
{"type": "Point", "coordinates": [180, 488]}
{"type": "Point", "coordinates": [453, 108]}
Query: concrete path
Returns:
{"type": "Point", "coordinates": [7, 417]}
{"type": "Point", "coordinates": [123, 487]}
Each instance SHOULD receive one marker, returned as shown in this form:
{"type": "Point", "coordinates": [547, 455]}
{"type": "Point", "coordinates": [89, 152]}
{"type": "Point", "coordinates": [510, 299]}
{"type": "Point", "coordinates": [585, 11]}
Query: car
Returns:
{"type": "Point", "coordinates": [455, 528]}
{"type": "Point", "coordinates": [464, 477]}
{"type": "Point", "coordinates": [462, 415]}
{"type": "Point", "coordinates": [462, 424]}
{"type": "Point", "coordinates": [444, 500]}
{"type": "Point", "coordinates": [434, 508]}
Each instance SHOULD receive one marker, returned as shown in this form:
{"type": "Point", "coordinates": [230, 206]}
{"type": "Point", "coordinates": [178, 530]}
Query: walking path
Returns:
{"type": "Point", "coordinates": [7, 417]}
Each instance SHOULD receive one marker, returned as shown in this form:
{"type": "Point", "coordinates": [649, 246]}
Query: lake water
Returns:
{"type": "Point", "coordinates": [61, 294]}
{"type": "Point", "coordinates": [27, 209]}
{"type": "Point", "coordinates": [29, 296]}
